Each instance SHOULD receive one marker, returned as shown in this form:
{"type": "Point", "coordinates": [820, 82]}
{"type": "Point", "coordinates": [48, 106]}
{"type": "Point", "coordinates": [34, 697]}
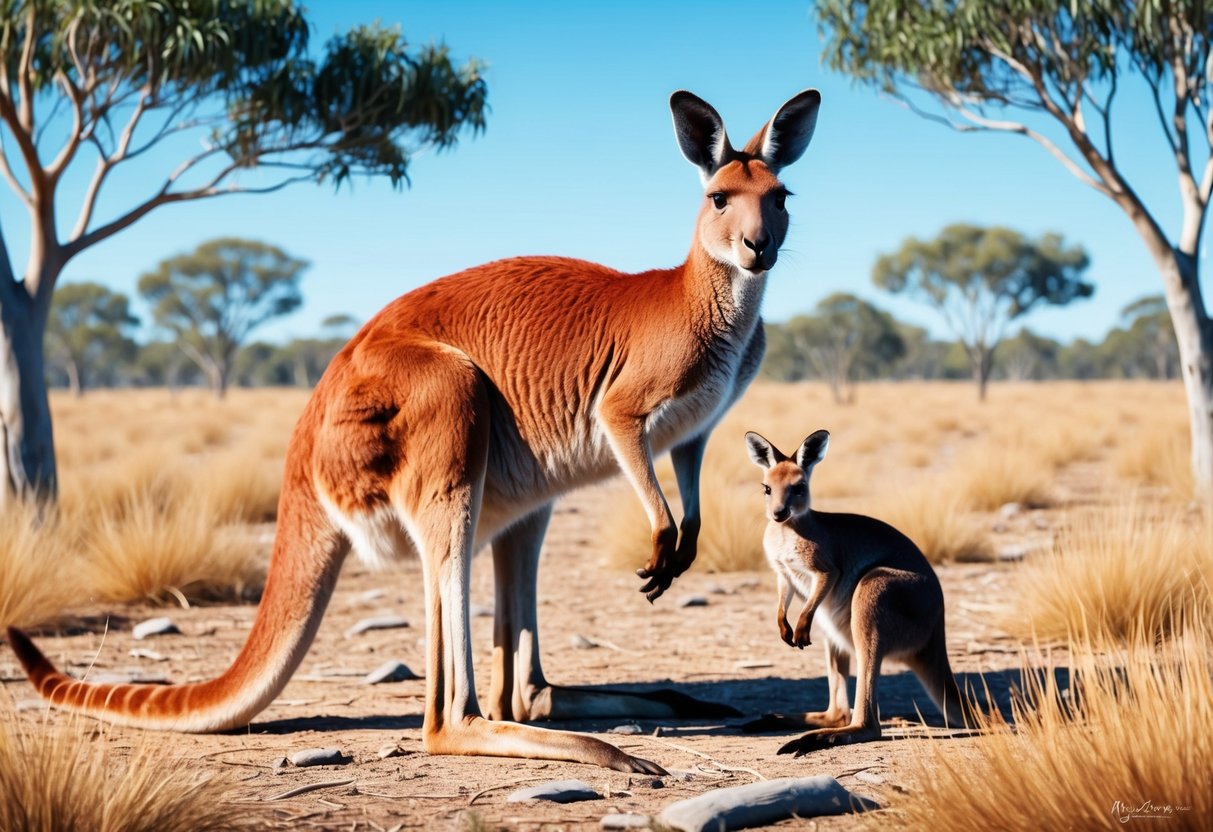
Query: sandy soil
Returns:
{"type": "Point", "coordinates": [727, 651]}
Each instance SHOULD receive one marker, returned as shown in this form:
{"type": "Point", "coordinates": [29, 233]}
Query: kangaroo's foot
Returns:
{"type": "Point", "coordinates": [559, 702]}
{"type": "Point", "coordinates": [771, 723]}
{"type": "Point", "coordinates": [827, 737]}
{"type": "Point", "coordinates": [479, 736]}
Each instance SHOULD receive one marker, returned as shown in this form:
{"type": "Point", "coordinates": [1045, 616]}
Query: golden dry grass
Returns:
{"type": "Point", "coordinates": [1115, 572]}
{"type": "Point", "coordinates": [1128, 745]}
{"type": "Point", "coordinates": [62, 779]}
{"type": "Point", "coordinates": [926, 457]}
{"type": "Point", "coordinates": [156, 494]}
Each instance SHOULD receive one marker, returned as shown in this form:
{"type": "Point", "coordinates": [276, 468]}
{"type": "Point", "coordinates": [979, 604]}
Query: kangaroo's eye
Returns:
{"type": "Point", "coordinates": [781, 199]}
{"type": "Point", "coordinates": [766, 489]}
{"type": "Point", "coordinates": [719, 201]}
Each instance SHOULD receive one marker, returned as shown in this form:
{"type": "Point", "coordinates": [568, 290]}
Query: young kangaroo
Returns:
{"type": "Point", "coordinates": [455, 418]}
{"type": "Point", "coordinates": [869, 587]}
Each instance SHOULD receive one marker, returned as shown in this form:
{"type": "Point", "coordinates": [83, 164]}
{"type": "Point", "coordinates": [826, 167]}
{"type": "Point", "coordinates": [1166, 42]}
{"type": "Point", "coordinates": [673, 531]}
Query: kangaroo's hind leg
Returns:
{"type": "Point", "coordinates": [879, 622]}
{"type": "Point", "coordinates": [520, 690]}
{"type": "Point", "coordinates": [934, 671]}
{"type": "Point", "coordinates": [437, 493]}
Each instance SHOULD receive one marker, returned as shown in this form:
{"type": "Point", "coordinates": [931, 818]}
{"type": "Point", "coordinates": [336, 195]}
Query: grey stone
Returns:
{"type": "Point", "coordinates": [625, 822]}
{"type": "Point", "coordinates": [629, 729]}
{"type": "Point", "coordinates": [319, 757]}
{"type": "Point", "coordinates": [389, 671]}
{"type": "Point", "coordinates": [760, 804]}
{"type": "Point", "coordinates": [154, 627]}
{"type": "Point", "coordinates": [692, 601]}
{"type": "Point", "coordinates": [557, 791]}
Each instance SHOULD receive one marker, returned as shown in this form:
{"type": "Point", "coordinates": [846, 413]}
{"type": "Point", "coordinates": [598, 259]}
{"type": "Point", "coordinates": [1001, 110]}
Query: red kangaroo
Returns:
{"type": "Point", "coordinates": [455, 418]}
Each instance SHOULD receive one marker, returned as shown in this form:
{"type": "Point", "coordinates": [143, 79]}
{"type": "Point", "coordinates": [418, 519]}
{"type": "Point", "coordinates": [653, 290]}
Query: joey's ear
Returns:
{"type": "Point", "coordinates": [762, 452]}
{"type": "Point", "coordinates": [786, 136]}
{"type": "Point", "coordinates": [813, 450]}
{"type": "Point", "coordinates": [700, 133]}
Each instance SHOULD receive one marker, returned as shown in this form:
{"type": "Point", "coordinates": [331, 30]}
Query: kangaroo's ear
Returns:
{"type": "Point", "coordinates": [700, 132]}
{"type": "Point", "coordinates": [813, 450]}
{"type": "Point", "coordinates": [785, 137]}
{"type": "Point", "coordinates": [762, 452]}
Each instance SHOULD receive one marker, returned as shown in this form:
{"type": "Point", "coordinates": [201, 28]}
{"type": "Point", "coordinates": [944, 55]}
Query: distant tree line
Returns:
{"type": "Point", "coordinates": [1141, 346]}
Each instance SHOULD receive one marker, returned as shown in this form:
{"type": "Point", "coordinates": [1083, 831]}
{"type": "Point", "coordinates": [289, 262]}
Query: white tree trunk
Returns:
{"type": "Point", "coordinates": [1194, 334]}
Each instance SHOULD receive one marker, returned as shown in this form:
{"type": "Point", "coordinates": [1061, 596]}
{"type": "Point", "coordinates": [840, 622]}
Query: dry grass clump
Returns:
{"type": "Point", "coordinates": [66, 781]}
{"type": "Point", "coordinates": [39, 574]}
{"type": "Point", "coordinates": [147, 549]}
{"type": "Point", "coordinates": [1115, 572]}
{"type": "Point", "coordinates": [993, 474]}
{"type": "Point", "coordinates": [1128, 745]}
{"type": "Point", "coordinates": [937, 519]}
{"type": "Point", "coordinates": [1158, 453]}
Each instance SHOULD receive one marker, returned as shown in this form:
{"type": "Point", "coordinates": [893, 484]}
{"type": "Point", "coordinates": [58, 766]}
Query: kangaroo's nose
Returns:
{"type": "Point", "coordinates": [759, 245]}
{"type": "Point", "coordinates": [780, 514]}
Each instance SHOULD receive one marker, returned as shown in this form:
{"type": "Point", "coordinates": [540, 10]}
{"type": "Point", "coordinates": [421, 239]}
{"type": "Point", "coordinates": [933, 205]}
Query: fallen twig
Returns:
{"type": "Point", "coordinates": [310, 787]}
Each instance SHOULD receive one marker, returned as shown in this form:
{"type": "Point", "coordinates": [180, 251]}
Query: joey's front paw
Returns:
{"type": "Point", "coordinates": [662, 567]}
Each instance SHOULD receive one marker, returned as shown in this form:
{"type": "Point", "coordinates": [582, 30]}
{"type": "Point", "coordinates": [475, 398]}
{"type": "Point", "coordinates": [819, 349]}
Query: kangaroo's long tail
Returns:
{"type": "Point", "coordinates": [307, 556]}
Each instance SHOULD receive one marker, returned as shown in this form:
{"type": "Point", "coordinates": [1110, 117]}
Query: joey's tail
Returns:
{"type": "Point", "coordinates": [934, 671]}
{"type": "Point", "coordinates": [307, 556]}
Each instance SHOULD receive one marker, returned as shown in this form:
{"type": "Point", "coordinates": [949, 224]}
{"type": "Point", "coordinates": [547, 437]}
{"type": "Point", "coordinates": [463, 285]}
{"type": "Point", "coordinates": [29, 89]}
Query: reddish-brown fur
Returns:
{"type": "Point", "coordinates": [461, 411]}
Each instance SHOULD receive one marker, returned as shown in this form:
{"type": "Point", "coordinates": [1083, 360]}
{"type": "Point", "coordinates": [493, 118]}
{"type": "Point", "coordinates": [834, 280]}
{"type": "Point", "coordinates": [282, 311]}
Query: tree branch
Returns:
{"type": "Point", "coordinates": [13, 182]}
{"type": "Point", "coordinates": [107, 163]}
{"type": "Point", "coordinates": [25, 80]}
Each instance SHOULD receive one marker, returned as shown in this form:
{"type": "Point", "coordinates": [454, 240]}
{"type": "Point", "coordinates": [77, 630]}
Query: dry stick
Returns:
{"type": "Point", "coordinates": [714, 762]}
{"type": "Point", "coordinates": [310, 787]}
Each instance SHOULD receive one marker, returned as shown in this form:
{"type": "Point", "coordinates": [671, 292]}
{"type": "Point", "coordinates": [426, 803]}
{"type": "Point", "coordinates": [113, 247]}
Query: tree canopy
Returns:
{"type": "Point", "coordinates": [89, 331]}
{"type": "Point", "coordinates": [213, 297]}
{"type": "Point", "coordinates": [981, 279]}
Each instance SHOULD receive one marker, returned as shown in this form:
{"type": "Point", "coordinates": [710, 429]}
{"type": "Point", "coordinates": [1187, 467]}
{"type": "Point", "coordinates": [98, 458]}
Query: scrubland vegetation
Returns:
{"type": "Point", "coordinates": [169, 499]}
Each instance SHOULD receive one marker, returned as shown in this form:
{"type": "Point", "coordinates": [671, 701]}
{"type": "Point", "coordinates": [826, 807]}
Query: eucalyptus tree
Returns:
{"type": "Point", "coordinates": [89, 331]}
{"type": "Point", "coordinates": [230, 92]}
{"type": "Point", "coordinates": [981, 279]}
{"type": "Point", "coordinates": [1013, 67]}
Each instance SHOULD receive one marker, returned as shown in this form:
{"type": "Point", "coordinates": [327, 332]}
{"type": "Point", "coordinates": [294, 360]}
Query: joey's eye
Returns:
{"type": "Point", "coordinates": [719, 201]}
{"type": "Point", "coordinates": [781, 199]}
{"type": "Point", "coordinates": [766, 489]}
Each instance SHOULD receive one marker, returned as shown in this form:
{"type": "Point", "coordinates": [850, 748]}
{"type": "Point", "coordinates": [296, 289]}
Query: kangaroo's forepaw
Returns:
{"type": "Point", "coordinates": [800, 638]}
{"type": "Point", "coordinates": [663, 565]}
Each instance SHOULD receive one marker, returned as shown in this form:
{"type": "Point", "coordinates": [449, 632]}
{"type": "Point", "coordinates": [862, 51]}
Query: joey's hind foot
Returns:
{"type": "Point", "coordinates": [826, 738]}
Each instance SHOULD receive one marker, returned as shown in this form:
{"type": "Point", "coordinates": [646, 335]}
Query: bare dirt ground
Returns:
{"type": "Point", "coordinates": [727, 651]}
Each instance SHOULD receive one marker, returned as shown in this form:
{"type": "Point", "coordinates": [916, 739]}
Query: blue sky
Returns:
{"type": "Point", "coordinates": [579, 159]}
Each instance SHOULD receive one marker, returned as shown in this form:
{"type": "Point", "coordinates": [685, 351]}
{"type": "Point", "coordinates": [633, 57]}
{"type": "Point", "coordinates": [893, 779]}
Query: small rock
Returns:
{"type": "Point", "coordinates": [150, 655]}
{"type": "Point", "coordinates": [630, 729]}
{"type": "Point", "coordinates": [389, 671]}
{"type": "Point", "coordinates": [557, 791]}
{"type": "Point", "coordinates": [391, 749]}
{"type": "Point", "coordinates": [319, 757]}
{"type": "Point", "coordinates": [625, 822]}
{"type": "Point", "coordinates": [658, 732]}
{"type": "Point", "coordinates": [1013, 552]}
{"type": "Point", "coordinates": [717, 589]}
{"type": "Point", "coordinates": [154, 627]}
{"type": "Point", "coordinates": [1009, 510]}
{"type": "Point", "coordinates": [693, 601]}
{"type": "Point", "coordinates": [869, 777]}
{"type": "Point", "coordinates": [580, 642]}
{"type": "Point", "coordinates": [656, 783]}
{"type": "Point", "coordinates": [279, 763]}
{"type": "Point", "coordinates": [480, 611]}
{"type": "Point", "coordinates": [372, 595]}
{"type": "Point", "coordinates": [380, 622]}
